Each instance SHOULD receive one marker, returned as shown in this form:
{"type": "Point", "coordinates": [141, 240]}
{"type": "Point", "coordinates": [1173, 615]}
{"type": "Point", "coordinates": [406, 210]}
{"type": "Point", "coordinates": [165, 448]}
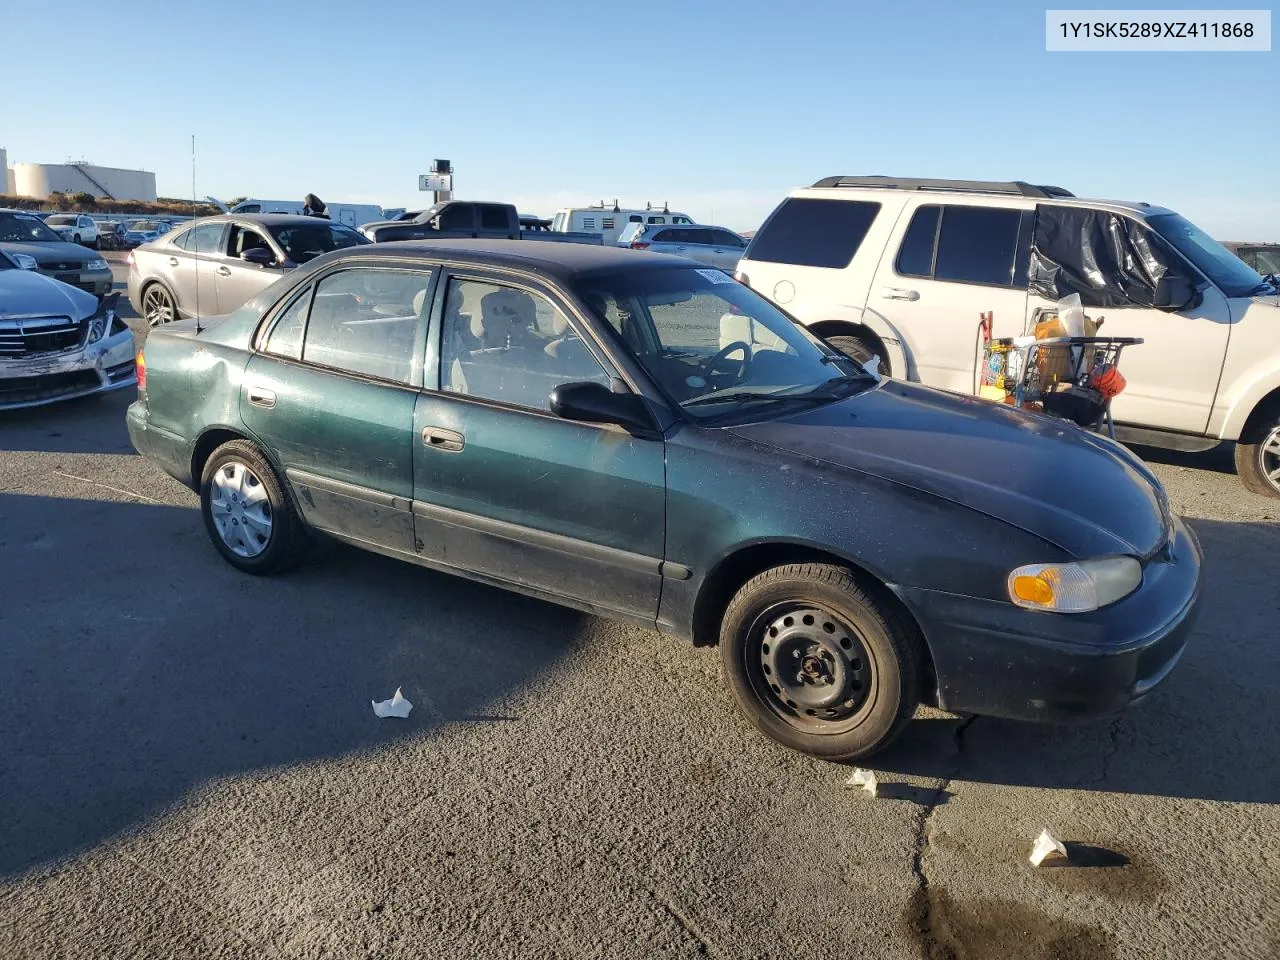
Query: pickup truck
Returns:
{"type": "Point", "coordinates": [465, 218]}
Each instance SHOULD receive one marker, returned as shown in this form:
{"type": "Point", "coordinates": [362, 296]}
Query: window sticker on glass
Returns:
{"type": "Point", "coordinates": [717, 276]}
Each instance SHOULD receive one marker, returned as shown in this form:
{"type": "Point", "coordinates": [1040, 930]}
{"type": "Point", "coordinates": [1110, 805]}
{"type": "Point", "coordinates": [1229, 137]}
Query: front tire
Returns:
{"type": "Point", "coordinates": [1258, 456]}
{"type": "Point", "coordinates": [818, 663]}
{"type": "Point", "coordinates": [859, 350]}
{"type": "Point", "coordinates": [247, 513]}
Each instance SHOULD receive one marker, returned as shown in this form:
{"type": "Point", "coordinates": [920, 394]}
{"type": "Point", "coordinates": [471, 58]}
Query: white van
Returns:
{"type": "Point", "coordinates": [352, 214]}
{"type": "Point", "coordinates": [609, 222]}
{"type": "Point", "coordinates": [902, 268]}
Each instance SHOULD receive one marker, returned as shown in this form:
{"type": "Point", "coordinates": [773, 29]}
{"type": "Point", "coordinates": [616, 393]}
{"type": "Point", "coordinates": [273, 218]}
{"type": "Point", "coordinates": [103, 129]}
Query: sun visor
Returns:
{"type": "Point", "coordinates": [1108, 259]}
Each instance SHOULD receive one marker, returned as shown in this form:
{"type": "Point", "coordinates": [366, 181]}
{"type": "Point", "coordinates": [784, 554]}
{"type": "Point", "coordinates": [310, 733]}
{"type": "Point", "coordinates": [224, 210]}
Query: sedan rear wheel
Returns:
{"type": "Point", "coordinates": [157, 305]}
{"type": "Point", "coordinates": [818, 662]}
{"type": "Point", "coordinates": [248, 514]}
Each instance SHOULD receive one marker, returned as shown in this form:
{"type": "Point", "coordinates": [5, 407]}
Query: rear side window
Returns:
{"type": "Point", "coordinates": [286, 334]}
{"type": "Point", "coordinates": [493, 217]}
{"type": "Point", "coordinates": [810, 232]}
{"type": "Point", "coordinates": [977, 245]}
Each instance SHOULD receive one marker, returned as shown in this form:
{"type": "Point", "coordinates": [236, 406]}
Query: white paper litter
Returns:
{"type": "Point", "coordinates": [397, 706]}
{"type": "Point", "coordinates": [866, 779]}
{"type": "Point", "coordinates": [1046, 843]}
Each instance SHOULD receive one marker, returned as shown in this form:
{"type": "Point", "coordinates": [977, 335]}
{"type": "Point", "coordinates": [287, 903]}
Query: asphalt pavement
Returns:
{"type": "Point", "coordinates": [190, 766]}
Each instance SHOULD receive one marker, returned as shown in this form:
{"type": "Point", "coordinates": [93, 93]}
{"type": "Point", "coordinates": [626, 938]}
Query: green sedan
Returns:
{"type": "Point", "coordinates": [642, 437]}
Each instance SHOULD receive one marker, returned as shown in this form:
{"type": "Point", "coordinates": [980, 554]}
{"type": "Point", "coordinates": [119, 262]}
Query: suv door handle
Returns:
{"type": "Point", "coordinates": [437, 438]}
{"type": "Point", "coordinates": [899, 293]}
{"type": "Point", "coordinates": [224, 271]}
{"type": "Point", "coordinates": [262, 397]}
{"type": "Point", "coordinates": [173, 261]}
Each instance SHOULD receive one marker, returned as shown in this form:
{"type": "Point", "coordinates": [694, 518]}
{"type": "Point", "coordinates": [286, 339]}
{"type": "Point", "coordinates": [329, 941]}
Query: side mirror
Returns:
{"type": "Point", "coordinates": [591, 402]}
{"type": "Point", "coordinates": [434, 223]}
{"type": "Point", "coordinates": [1174, 293]}
{"type": "Point", "coordinates": [259, 255]}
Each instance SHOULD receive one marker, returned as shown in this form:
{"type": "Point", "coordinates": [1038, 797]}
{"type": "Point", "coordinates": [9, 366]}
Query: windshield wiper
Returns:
{"type": "Point", "coordinates": [821, 392]}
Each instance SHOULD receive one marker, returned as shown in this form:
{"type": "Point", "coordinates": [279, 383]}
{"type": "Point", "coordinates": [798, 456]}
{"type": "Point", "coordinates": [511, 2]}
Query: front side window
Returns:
{"type": "Point", "coordinates": [457, 217]}
{"type": "Point", "coordinates": [245, 238]}
{"type": "Point", "coordinates": [716, 347]}
{"type": "Point", "coordinates": [509, 345]}
{"type": "Point", "coordinates": [811, 232]}
{"type": "Point", "coordinates": [367, 321]}
{"type": "Point", "coordinates": [306, 241]}
{"type": "Point", "coordinates": [1229, 273]}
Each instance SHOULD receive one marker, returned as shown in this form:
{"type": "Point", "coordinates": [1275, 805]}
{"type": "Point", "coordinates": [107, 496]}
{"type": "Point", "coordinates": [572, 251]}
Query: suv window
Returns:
{"type": "Point", "coordinates": [810, 232]}
{"type": "Point", "coordinates": [667, 236]}
{"type": "Point", "coordinates": [493, 217]}
{"type": "Point", "coordinates": [458, 217]}
{"type": "Point", "coordinates": [367, 321]}
{"type": "Point", "coordinates": [977, 245]}
{"type": "Point", "coordinates": [509, 345]}
{"type": "Point", "coordinates": [915, 256]}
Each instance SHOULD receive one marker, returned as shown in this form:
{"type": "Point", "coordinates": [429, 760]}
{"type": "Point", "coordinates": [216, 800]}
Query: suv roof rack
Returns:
{"type": "Point", "coordinates": [1016, 187]}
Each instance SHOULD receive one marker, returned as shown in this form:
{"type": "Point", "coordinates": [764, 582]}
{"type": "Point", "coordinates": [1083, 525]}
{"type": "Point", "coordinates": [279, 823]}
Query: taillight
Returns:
{"type": "Point", "coordinates": [637, 245]}
{"type": "Point", "coordinates": [129, 261]}
{"type": "Point", "coordinates": [142, 372]}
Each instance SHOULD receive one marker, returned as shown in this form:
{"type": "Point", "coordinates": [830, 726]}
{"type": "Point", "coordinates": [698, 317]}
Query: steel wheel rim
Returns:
{"type": "Point", "coordinates": [157, 308]}
{"type": "Point", "coordinates": [240, 509]}
{"type": "Point", "coordinates": [811, 667]}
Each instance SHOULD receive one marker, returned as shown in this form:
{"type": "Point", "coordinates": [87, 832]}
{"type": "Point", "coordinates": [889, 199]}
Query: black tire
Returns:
{"type": "Point", "coordinates": [288, 541]}
{"type": "Point", "coordinates": [158, 291]}
{"type": "Point", "coordinates": [1258, 454]}
{"type": "Point", "coordinates": [77, 238]}
{"type": "Point", "coordinates": [855, 348]}
{"type": "Point", "coordinates": [834, 612]}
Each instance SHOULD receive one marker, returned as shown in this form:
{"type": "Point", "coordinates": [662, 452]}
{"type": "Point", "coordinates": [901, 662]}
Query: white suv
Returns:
{"type": "Point", "coordinates": [903, 268]}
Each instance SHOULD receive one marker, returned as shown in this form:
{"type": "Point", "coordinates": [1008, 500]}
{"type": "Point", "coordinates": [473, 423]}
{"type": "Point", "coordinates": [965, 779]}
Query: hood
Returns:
{"type": "Point", "coordinates": [1074, 489]}
{"type": "Point", "coordinates": [25, 293]}
{"type": "Point", "coordinates": [54, 252]}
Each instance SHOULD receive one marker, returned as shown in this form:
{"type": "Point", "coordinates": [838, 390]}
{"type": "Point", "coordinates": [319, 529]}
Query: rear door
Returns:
{"type": "Point", "coordinates": [945, 265]}
{"type": "Point", "coordinates": [506, 489]}
{"type": "Point", "coordinates": [331, 393]}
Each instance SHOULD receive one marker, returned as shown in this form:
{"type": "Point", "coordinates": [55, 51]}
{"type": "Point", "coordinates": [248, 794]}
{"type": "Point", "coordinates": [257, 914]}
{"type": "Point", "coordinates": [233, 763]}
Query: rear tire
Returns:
{"type": "Point", "coordinates": [819, 663]}
{"type": "Point", "coordinates": [247, 512]}
{"type": "Point", "coordinates": [1258, 455]}
{"type": "Point", "coordinates": [158, 306]}
{"type": "Point", "coordinates": [859, 350]}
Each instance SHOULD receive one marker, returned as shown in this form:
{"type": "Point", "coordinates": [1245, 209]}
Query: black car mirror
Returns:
{"type": "Point", "coordinates": [259, 255]}
{"type": "Point", "coordinates": [1174, 293]}
{"type": "Point", "coordinates": [590, 402]}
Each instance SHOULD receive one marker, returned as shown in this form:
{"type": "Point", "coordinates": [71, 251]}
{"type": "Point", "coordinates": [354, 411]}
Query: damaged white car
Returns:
{"type": "Point", "coordinates": [57, 341]}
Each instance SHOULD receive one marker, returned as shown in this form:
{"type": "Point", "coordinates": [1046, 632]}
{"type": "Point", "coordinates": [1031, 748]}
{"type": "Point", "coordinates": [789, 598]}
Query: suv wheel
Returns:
{"type": "Point", "coordinates": [818, 663]}
{"type": "Point", "coordinates": [857, 349]}
{"type": "Point", "coordinates": [1258, 456]}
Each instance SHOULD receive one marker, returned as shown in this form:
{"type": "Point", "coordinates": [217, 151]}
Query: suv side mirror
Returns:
{"type": "Point", "coordinates": [592, 402]}
{"type": "Point", "coordinates": [1174, 293]}
{"type": "Point", "coordinates": [259, 255]}
{"type": "Point", "coordinates": [434, 223]}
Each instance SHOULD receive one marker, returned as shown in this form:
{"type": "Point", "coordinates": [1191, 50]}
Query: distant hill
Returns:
{"type": "Point", "coordinates": [87, 203]}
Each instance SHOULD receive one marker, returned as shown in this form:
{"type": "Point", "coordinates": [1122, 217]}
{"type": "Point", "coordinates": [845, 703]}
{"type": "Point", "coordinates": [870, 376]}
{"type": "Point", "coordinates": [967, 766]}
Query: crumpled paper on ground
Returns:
{"type": "Point", "coordinates": [866, 779]}
{"type": "Point", "coordinates": [1045, 844]}
{"type": "Point", "coordinates": [397, 706]}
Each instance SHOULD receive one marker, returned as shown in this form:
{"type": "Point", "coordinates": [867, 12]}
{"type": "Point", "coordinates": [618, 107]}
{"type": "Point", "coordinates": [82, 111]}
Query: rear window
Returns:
{"type": "Point", "coordinates": [810, 232]}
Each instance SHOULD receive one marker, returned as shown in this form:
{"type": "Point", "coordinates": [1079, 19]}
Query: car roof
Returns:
{"type": "Point", "coordinates": [557, 258]}
{"type": "Point", "coordinates": [265, 219]}
{"type": "Point", "coordinates": [1138, 208]}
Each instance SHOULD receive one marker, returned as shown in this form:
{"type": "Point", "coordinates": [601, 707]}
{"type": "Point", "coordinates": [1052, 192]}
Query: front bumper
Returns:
{"type": "Point", "coordinates": [999, 660]}
{"type": "Point", "coordinates": [100, 367]}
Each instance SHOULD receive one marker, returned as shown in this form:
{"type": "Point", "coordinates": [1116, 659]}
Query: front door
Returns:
{"type": "Point", "coordinates": [946, 264]}
{"type": "Point", "coordinates": [504, 488]}
{"type": "Point", "coordinates": [332, 394]}
{"type": "Point", "coordinates": [239, 281]}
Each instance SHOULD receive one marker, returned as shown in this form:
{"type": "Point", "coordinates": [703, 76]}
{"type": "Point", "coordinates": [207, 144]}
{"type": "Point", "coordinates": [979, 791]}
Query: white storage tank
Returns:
{"type": "Point", "coordinates": [41, 179]}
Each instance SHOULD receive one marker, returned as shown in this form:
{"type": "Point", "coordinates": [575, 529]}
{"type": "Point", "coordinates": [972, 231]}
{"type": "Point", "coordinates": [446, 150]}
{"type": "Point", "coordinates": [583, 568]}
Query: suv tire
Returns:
{"type": "Point", "coordinates": [1258, 454]}
{"type": "Point", "coordinates": [819, 663]}
{"type": "Point", "coordinates": [858, 350]}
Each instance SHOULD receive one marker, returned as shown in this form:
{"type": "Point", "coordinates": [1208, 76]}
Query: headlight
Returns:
{"type": "Point", "coordinates": [24, 260]}
{"type": "Point", "coordinates": [100, 325]}
{"type": "Point", "coordinates": [1074, 587]}
{"type": "Point", "coordinates": [98, 264]}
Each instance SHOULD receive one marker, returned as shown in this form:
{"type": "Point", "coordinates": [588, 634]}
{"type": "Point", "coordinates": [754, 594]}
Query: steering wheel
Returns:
{"type": "Point", "coordinates": [709, 365]}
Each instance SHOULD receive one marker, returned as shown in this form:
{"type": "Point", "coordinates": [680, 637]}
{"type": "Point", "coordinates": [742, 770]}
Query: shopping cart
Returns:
{"type": "Point", "coordinates": [1074, 378]}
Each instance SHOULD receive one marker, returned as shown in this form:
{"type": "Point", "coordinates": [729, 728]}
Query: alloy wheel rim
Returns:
{"type": "Point", "coordinates": [1269, 457]}
{"type": "Point", "coordinates": [240, 509]}
{"type": "Point", "coordinates": [156, 307]}
{"type": "Point", "coordinates": [811, 667]}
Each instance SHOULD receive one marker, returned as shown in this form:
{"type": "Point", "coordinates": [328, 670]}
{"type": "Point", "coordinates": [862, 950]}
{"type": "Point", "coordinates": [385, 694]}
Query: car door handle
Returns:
{"type": "Point", "coordinates": [173, 261]}
{"type": "Point", "coordinates": [262, 397]}
{"type": "Point", "coordinates": [224, 271]}
{"type": "Point", "coordinates": [899, 293]}
{"type": "Point", "coordinates": [437, 438]}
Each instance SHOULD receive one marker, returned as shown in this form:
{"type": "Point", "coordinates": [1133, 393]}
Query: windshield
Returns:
{"type": "Point", "coordinates": [61, 220]}
{"type": "Point", "coordinates": [144, 226]}
{"type": "Point", "coordinates": [307, 241]}
{"type": "Point", "coordinates": [1268, 261]}
{"type": "Point", "coordinates": [1229, 273]}
{"type": "Point", "coordinates": [714, 345]}
{"type": "Point", "coordinates": [24, 228]}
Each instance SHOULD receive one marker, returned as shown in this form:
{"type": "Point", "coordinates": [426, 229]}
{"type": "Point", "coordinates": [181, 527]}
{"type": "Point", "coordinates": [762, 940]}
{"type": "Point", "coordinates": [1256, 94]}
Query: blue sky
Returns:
{"type": "Point", "coordinates": [717, 107]}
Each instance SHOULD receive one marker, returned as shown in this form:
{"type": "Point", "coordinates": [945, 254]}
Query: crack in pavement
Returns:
{"type": "Point", "coordinates": [1113, 731]}
{"type": "Point", "coordinates": [922, 919]}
